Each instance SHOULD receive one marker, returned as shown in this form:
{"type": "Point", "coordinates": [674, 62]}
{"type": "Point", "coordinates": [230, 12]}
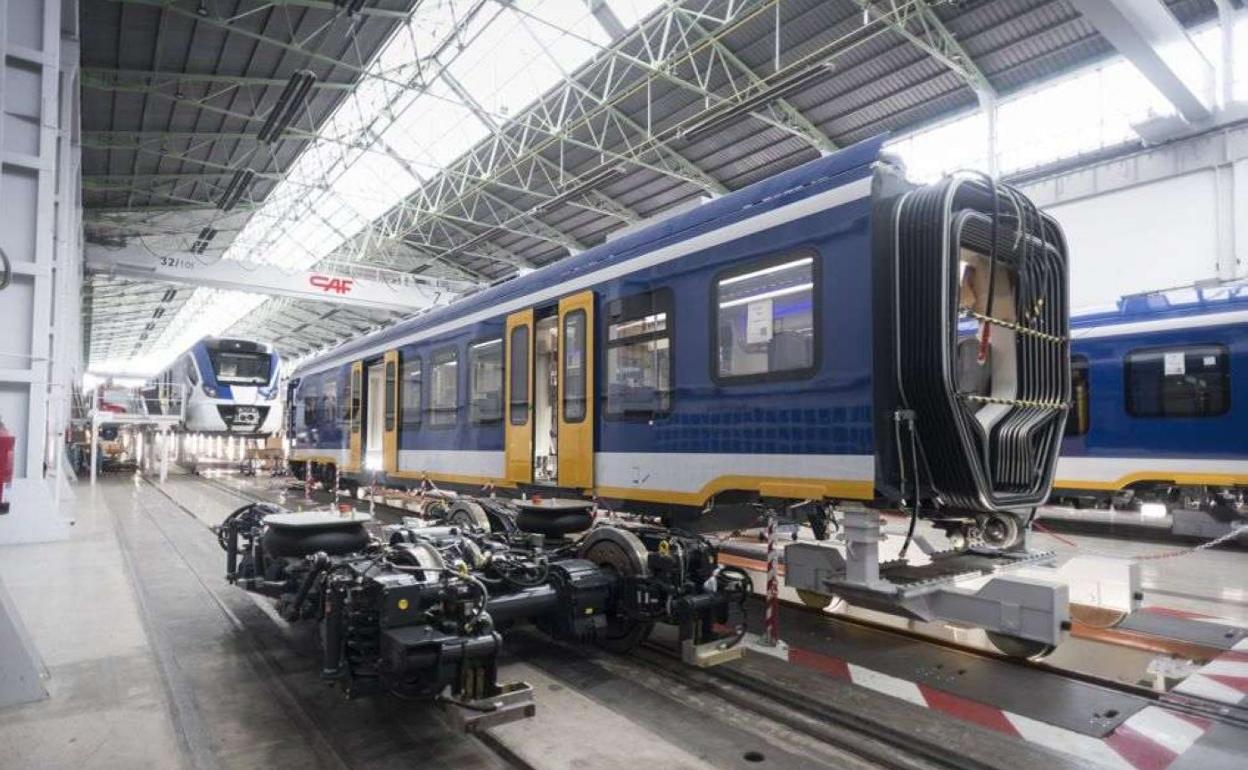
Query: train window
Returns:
{"type": "Point", "coordinates": [330, 402]}
{"type": "Point", "coordinates": [574, 364]}
{"type": "Point", "coordinates": [519, 372]}
{"type": "Point", "coordinates": [409, 398]}
{"type": "Point", "coordinates": [765, 325]}
{"type": "Point", "coordinates": [1077, 422]}
{"type": "Point", "coordinates": [241, 367]}
{"type": "Point", "coordinates": [639, 355]}
{"type": "Point", "coordinates": [357, 398]}
{"type": "Point", "coordinates": [485, 386]}
{"type": "Point", "coordinates": [391, 399]}
{"type": "Point", "coordinates": [444, 387]}
{"type": "Point", "coordinates": [308, 389]}
{"type": "Point", "coordinates": [1191, 381]}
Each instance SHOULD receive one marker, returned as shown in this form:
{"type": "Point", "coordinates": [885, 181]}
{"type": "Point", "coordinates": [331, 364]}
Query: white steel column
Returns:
{"type": "Point", "coordinates": [1239, 217]}
{"type": "Point", "coordinates": [164, 454]}
{"type": "Point", "coordinates": [95, 447]}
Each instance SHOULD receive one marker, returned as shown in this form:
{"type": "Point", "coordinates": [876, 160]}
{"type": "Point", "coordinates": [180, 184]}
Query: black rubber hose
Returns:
{"type": "Point", "coordinates": [914, 514]}
{"type": "Point", "coordinates": [6, 271]}
{"type": "Point", "coordinates": [319, 563]}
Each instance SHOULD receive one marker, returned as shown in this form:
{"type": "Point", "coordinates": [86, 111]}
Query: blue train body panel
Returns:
{"type": "Point", "coordinates": [829, 413]}
{"type": "Point", "coordinates": [1120, 449]}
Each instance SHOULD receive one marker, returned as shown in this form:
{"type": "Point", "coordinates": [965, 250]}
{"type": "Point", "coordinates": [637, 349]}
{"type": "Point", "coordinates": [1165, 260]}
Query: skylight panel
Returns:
{"type": "Point", "coordinates": [629, 12]}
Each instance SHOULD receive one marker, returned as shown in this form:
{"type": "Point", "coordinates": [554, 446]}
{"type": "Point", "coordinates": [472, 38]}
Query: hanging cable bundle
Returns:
{"type": "Point", "coordinates": [1003, 264]}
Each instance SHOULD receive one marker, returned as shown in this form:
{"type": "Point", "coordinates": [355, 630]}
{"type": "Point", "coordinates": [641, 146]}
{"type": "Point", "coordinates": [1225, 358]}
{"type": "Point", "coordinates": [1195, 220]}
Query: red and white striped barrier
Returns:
{"type": "Point", "coordinates": [1151, 739]}
{"type": "Point", "coordinates": [1223, 679]}
{"type": "Point", "coordinates": [771, 616]}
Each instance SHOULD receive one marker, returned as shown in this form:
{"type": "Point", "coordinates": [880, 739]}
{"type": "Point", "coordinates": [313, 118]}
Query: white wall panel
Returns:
{"type": "Point", "coordinates": [1151, 236]}
{"type": "Point", "coordinates": [41, 233]}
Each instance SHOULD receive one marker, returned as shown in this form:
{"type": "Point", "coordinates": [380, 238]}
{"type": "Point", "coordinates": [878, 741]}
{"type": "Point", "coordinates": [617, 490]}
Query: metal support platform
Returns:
{"type": "Point", "coordinates": [981, 589]}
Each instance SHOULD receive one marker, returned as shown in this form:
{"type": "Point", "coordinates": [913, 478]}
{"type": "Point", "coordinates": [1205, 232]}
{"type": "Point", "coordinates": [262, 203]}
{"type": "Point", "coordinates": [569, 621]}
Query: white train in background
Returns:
{"type": "Point", "coordinates": [231, 388]}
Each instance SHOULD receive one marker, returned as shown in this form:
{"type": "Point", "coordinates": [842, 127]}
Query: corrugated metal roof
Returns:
{"type": "Point", "coordinates": [878, 81]}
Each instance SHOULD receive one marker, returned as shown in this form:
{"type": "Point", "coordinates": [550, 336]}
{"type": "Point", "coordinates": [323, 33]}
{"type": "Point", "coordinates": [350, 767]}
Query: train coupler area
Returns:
{"type": "Point", "coordinates": [1018, 597]}
{"type": "Point", "coordinates": [511, 702]}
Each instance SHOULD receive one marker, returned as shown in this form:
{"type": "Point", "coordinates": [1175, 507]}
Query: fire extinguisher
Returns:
{"type": "Point", "coordinates": [8, 443]}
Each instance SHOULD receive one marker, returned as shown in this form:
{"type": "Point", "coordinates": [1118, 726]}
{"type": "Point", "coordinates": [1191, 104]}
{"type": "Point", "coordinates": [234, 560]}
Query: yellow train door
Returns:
{"type": "Point", "coordinates": [576, 391]}
{"type": "Point", "coordinates": [355, 396]}
{"type": "Point", "coordinates": [518, 420]}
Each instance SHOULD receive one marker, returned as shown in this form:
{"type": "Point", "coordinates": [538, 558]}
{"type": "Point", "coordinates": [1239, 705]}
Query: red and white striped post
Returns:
{"type": "Point", "coordinates": [771, 615]}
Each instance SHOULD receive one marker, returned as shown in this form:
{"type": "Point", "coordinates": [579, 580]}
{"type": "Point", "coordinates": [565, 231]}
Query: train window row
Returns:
{"type": "Point", "coordinates": [764, 317]}
{"type": "Point", "coordinates": [1193, 381]}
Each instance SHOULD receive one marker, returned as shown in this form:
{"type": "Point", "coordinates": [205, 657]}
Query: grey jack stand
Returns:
{"type": "Point", "coordinates": [1024, 615]}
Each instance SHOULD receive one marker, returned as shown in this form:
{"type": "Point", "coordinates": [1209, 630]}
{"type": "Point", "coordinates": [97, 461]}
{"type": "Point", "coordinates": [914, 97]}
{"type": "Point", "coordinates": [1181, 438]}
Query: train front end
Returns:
{"type": "Point", "coordinates": [972, 355]}
{"type": "Point", "coordinates": [238, 391]}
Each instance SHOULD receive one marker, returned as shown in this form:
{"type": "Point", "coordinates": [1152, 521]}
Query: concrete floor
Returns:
{"type": "Point", "coordinates": [154, 662]}
{"type": "Point", "coordinates": [1212, 582]}
{"type": "Point", "coordinates": [108, 705]}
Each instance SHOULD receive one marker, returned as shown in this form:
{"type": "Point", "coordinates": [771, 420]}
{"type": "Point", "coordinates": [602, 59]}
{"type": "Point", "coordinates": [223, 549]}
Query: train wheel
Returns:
{"type": "Point", "coordinates": [1001, 531]}
{"type": "Point", "coordinates": [1018, 647]}
{"type": "Point", "coordinates": [465, 513]}
{"type": "Point", "coordinates": [1096, 617]}
{"type": "Point", "coordinates": [621, 552]}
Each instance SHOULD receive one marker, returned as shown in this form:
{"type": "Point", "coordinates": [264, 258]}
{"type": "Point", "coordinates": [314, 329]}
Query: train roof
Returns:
{"type": "Point", "coordinates": [847, 165]}
{"type": "Point", "coordinates": [1185, 307]}
{"type": "Point", "coordinates": [1179, 302]}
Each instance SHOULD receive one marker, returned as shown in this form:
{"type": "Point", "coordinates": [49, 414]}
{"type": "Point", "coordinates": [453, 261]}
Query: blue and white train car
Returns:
{"type": "Point", "coordinates": [791, 341]}
{"type": "Point", "coordinates": [1160, 402]}
{"type": "Point", "coordinates": [230, 387]}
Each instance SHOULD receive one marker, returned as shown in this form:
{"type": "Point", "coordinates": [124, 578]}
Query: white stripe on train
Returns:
{"type": "Point", "coordinates": [1104, 469]}
{"type": "Point", "coordinates": [668, 471]}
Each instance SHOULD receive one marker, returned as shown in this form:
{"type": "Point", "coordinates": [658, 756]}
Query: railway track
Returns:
{"type": "Point", "coordinates": [1178, 703]}
{"type": "Point", "coordinates": [308, 726]}
{"type": "Point", "coordinates": [875, 742]}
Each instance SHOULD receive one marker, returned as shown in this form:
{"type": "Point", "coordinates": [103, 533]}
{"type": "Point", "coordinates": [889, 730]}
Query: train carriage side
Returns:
{"type": "Point", "coordinates": [602, 379]}
{"type": "Point", "coordinates": [758, 346]}
{"type": "Point", "coordinates": [1160, 403]}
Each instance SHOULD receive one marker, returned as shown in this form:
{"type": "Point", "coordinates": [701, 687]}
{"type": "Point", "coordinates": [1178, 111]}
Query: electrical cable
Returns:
{"type": "Point", "coordinates": [6, 273]}
{"type": "Point", "coordinates": [914, 511]}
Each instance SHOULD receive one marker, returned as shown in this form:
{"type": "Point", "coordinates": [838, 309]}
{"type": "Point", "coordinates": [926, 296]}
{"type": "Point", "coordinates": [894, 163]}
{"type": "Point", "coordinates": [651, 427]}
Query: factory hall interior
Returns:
{"type": "Point", "coordinates": [579, 384]}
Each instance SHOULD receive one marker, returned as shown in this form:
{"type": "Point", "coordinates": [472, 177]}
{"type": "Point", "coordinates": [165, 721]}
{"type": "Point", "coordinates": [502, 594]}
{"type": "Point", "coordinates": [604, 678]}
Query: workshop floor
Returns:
{"type": "Point", "coordinates": [154, 662]}
{"type": "Point", "coordinates": [108, 705]}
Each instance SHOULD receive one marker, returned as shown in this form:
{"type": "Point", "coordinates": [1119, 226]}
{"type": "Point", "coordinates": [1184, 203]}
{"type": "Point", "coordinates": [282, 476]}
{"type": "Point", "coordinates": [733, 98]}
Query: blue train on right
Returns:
{"type": "Point", "coordinates": [1159, 404]}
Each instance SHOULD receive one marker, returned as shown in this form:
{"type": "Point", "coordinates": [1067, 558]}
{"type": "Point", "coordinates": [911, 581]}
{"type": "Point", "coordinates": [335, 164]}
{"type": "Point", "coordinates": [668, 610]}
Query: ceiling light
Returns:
{"type": "Point", "coordinates": [238, 185]}
{"type": "Point", "coordinates": [767, 295]}
{"type": "Point", "coordinates": [289, 102]}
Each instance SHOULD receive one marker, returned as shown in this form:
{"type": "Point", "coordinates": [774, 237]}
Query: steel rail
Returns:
{"type": "Point", "coordinates": [1236, 716]}
{"type": "Point", "coordinates": [489, 743]}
